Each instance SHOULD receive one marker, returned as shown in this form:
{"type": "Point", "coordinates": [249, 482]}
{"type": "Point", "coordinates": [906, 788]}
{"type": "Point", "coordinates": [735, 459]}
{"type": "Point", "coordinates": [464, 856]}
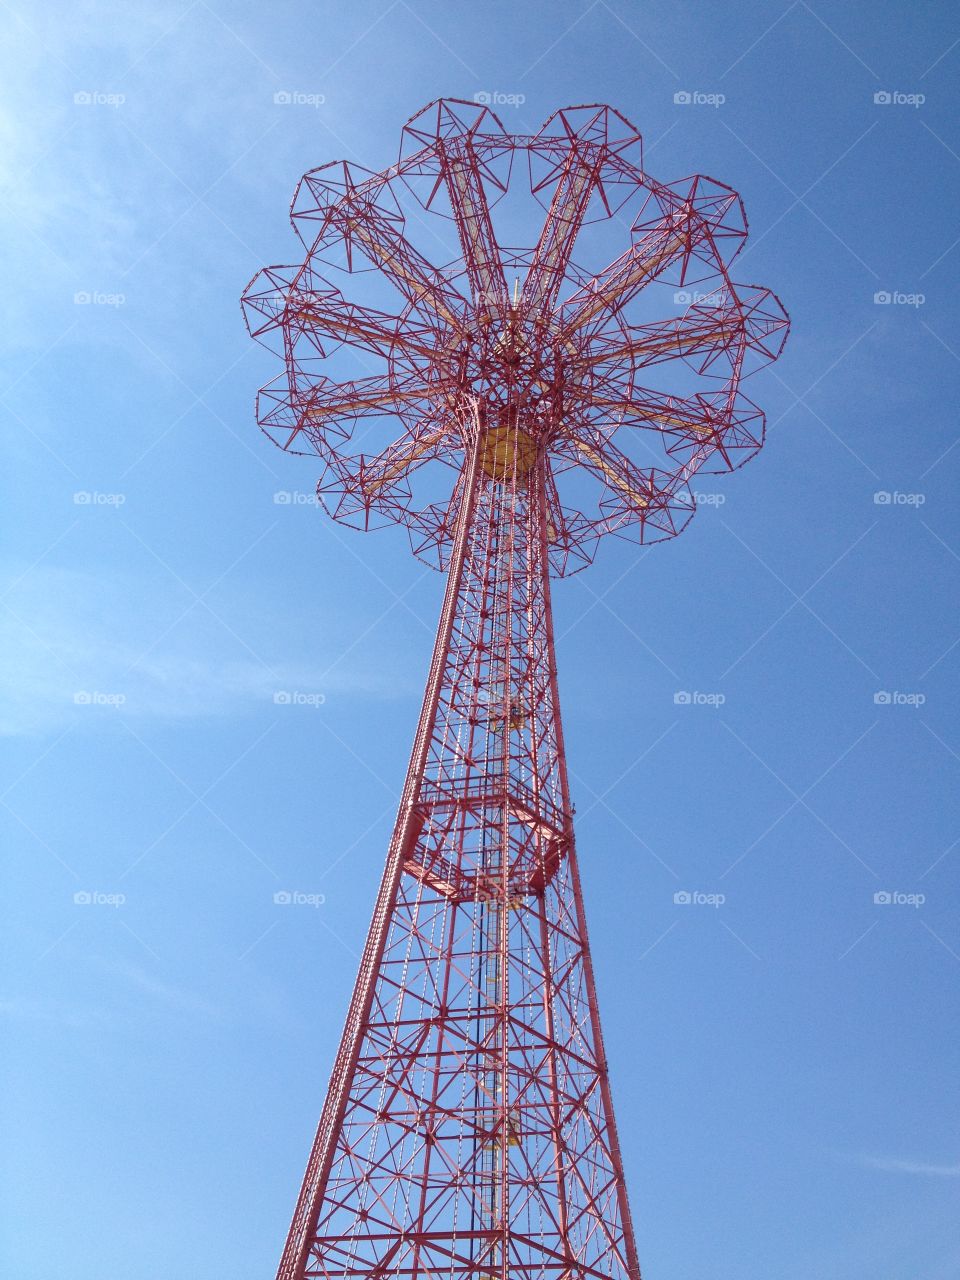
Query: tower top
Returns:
{"type": "Point", "coordinates": [415, 330]}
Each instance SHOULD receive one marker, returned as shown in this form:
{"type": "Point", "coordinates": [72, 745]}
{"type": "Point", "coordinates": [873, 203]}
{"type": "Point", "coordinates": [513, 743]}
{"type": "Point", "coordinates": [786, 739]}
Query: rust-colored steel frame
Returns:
{"type": "Point", "coordinates": [578, 364]}
{"type": "Point", "coordinates": [468, 1130]}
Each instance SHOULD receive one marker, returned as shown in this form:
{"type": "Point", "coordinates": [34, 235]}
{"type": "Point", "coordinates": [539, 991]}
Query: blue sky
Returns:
{"type": "Point", "coordinates": [784, 1064]}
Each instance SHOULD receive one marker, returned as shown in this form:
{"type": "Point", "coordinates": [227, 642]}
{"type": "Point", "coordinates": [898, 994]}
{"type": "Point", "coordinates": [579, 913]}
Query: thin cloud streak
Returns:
{"type": "Point", "coordinates": [887, 1164]}
{"type": "Point", "coordinates": [76, 646]}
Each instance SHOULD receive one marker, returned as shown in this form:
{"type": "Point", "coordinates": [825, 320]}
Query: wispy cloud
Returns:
{"type": "Point", "coordinates": [889, 1165]}
{"type": "Point", "coordinates": [92, 181]}
{"type": "Point", "coordinates": [81, 1014]}
{"type": "Point", "coordinates": [75, 645]}
{"type": "Point", "coordinates": [60, 1013]}
{"type": "Point", "coordinates": [179, 999]}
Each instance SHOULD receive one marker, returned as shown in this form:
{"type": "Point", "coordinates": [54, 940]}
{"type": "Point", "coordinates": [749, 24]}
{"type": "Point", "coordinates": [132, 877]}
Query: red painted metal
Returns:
{"type": "Point", "coordinates": [468, 1130]}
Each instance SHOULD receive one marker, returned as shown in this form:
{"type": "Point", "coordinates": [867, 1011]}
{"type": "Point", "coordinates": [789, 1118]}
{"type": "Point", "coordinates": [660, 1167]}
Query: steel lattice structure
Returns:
{"type": "Point", "coordinates": [468, 1130]}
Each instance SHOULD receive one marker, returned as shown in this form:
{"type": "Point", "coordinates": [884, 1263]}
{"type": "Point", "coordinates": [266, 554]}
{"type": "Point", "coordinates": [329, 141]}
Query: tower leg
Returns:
{"type": "Point", "coordinates": [468, 1129]}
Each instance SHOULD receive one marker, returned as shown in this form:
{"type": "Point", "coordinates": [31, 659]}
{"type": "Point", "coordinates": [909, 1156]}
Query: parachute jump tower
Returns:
{"type": "Point", "coordinates": [509, 406]}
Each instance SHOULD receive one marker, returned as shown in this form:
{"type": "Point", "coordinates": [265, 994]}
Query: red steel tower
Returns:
{"type": "Point", "coordinates": [468, 1131]}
